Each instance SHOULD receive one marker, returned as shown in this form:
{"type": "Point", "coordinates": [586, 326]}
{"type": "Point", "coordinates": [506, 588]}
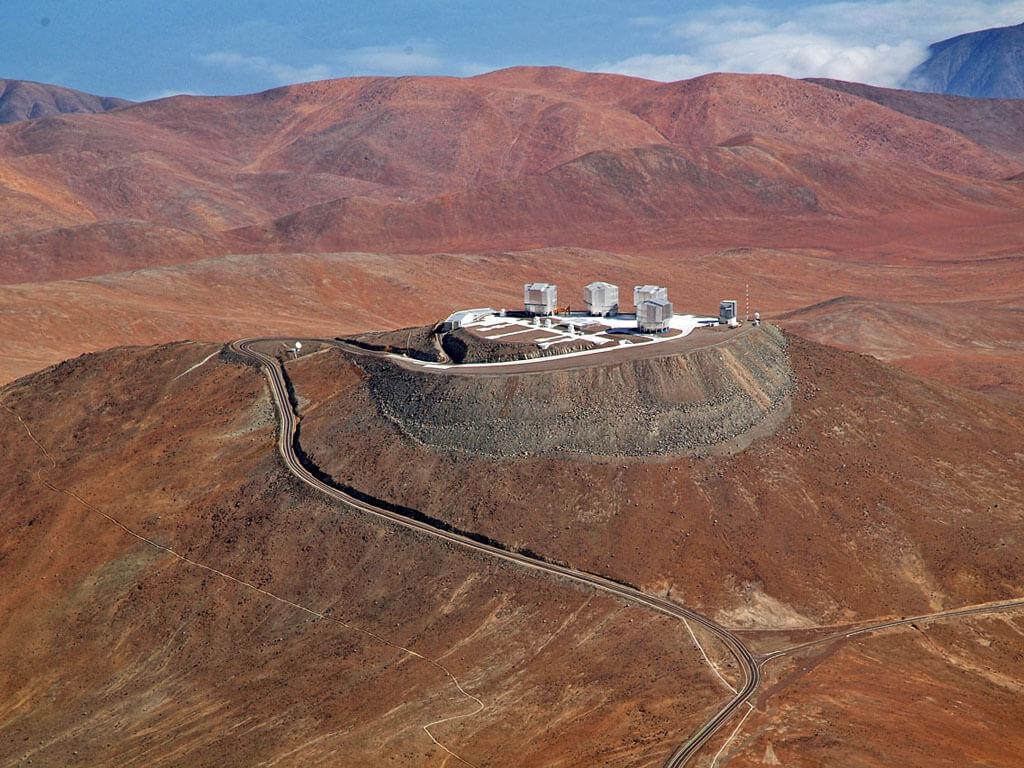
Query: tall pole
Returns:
{"type": "Point", "coordinates": [746, 305]}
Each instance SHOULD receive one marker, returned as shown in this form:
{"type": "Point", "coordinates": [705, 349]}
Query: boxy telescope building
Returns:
{"type": "Point", "coordinates": [540, 298]}
{"type": "Point", "coordinates": [642, 293]}
{"type": "Point", "coordinates": [654, 315]}
{"type": "Point", "coordinates": [602, 299]}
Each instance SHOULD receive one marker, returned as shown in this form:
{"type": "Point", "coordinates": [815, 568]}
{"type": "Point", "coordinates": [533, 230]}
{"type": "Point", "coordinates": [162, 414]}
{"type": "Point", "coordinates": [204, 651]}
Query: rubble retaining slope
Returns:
{"type": "Point", "coordinates": [710, 399]}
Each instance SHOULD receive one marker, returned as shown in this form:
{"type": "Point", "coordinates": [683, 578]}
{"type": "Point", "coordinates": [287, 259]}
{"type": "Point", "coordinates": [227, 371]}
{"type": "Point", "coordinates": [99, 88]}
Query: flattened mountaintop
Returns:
{"type": "Point", "coordinates": [715, 397]}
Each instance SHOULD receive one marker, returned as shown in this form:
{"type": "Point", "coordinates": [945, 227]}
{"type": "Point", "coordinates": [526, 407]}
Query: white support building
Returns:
{"type": "Point", "coordinates": [642, 293]}
{"type": "Point", "coordinates": [465, 317]}
{"type": "Point", "coordinates": [601, 299]}
{"type": "Point", "coordinates": [540, 298]}
{"type": "Point", "coordinates": [654, 315]}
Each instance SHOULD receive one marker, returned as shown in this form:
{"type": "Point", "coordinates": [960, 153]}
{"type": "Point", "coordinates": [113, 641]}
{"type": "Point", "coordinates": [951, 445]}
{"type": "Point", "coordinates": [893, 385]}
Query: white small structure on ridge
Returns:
{"type": "Point", "coordinates": [601, 298]}
{"type": "Point", "coordinates": [727, 312]}
{"type": "Point", "coordinates": [654, 315]}
{"type": "Point", "coordinates": [642, 293]}
{"type": "Point", "coordinates": [464, 317]}
{"type": "Point", "coordinates": [540, 298]}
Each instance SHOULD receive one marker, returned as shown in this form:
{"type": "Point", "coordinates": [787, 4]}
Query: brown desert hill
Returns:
{"type": "Point", "coordinates": [901, 698]}
{"type": "Point", "coordinates": [220, 161]}
{"type": "Point", "coordinates": [387, 147]}
{"type": "Point", "coordinates": [27, 100]}
{"type": "Point", "coordinates": [604, 199]}
{"type": "Point", "coordinates": [994, 123]}
{"type": "Point", "coordinates": [881, 494]}
{"type": "Point", "coordinates": [172, 596]}
{"type": "Point", "coordinates": [329, 294]}
{"type": "Point", "coordinates": [976, 341]}
{"type": "Point", "coordinates": [102, 248]}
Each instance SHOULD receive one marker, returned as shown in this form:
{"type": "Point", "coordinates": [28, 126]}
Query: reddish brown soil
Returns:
{"type": "Point", "coordinates": [27, 100]}
{"type": "Point", "coordinates": [116, 652]}
{"type": "Point", "coordinates": [944, 694]}
{"type": "Point", "coordinates": [814, 191]}
{"type": "Point", "coordinates": [994, 123]}
{"type": "Point", "coordinates": [543, 156]}
{"type": "Point", "coordinates": [880, 495]}
{"type": "Point", "coordinates": [906, 313]}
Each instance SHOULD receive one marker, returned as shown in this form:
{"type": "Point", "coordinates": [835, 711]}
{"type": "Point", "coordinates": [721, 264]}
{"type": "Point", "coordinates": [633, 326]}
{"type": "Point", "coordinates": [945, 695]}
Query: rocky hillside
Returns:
{"type": "Point", "coordinates": [879, 494]}
{"type": "Point", "coordinates": [424, 164]}
{"type": "Point", "coordinates": [173, 597]}
{"type": "Point", "coordinates": [711, 399]}
{"type": "Point", "coordinates": [984, 64]}
{"type": "Point", "coordinates": [994, 123]}
{"type": "Point", "coordinates": [26, 100]}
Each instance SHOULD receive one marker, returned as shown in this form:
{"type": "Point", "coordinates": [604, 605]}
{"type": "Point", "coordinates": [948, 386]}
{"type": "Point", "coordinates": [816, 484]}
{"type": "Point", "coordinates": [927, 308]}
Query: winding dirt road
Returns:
{"type": "Point", "coordinates": [747, 661]}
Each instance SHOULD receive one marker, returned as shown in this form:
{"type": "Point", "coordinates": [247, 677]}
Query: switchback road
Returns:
{"type": "Point", "coordinates": [746, 660]}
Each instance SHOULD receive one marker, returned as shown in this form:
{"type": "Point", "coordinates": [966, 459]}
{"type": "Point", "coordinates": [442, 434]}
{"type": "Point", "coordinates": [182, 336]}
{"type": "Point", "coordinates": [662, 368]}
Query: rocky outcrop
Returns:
{"type": "Point", "coordinates": [419, 343]}
{"type": "Point", "coordinates": [716, 398]}
{"type": "Point", "coordinates": [462, 346]}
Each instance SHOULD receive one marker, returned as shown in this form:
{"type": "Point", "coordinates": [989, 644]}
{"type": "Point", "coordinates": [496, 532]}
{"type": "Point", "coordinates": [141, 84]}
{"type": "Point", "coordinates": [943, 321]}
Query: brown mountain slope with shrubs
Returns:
{"type": "Point", "coordinates": [522, 144]}
{"type": "Point", "coordinates": [881, 494]}
{"type": "Point", "coordinates": [173, 597]}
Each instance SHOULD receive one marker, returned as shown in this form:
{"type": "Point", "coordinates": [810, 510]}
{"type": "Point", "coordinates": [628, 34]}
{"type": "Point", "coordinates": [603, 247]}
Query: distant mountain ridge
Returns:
{"type": "Point", "coordinates": [26, 100]}
{"type": "Point", "coordinates": [984, 64]}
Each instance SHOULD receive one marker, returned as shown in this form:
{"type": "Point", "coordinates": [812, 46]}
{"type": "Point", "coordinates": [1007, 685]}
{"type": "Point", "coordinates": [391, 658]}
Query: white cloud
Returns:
{"type": "Point", "coordinates": [404, 59]}
{"type": "Point", "coordinates": [873, 41]}
{"type": "Point", "coordinates": [392, 59]}
{"type": "Point", "coordinates": [659, 66]}
{"type": "Point", "coordinates": [167, 93]}
{"type": "Point", "coordinates": [261, 65]}
{"type": "Point", "coordinates": [647, 21]}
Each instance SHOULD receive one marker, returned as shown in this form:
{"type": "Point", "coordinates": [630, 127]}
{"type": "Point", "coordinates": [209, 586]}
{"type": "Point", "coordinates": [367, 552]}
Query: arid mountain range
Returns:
{"type": "Point", "coordinates": [177, 592]}
{"type": "Point", "coordinates": [988, 63]}
{"type": "Point", "coordinates": [252, 620]}
{"type": "Point", "coordinates": [25, 100]}
{"type": "Point", "coordinates": [910, 203]}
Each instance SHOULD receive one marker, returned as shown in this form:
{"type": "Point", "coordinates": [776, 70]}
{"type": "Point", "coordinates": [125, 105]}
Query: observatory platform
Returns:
{"type": "Point", "coordinates": [574, 328]}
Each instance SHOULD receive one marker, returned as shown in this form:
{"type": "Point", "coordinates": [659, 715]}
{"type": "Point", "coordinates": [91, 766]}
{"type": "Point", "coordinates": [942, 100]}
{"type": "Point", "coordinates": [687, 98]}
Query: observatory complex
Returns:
{"type": "Point", "coordinates": [601, 324]}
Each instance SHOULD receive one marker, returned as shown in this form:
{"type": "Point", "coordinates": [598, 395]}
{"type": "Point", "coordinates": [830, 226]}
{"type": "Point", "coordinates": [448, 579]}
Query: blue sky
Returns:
{"type": "Point", "coordinates": [147, 48]}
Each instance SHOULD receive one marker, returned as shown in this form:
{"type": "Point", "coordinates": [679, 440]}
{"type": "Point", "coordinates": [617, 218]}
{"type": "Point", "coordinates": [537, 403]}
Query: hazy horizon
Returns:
{"type": "Point", "coordinates": [142, 51]}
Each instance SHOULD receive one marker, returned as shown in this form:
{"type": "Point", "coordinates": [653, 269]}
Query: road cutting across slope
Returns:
{"type": "Point", "coordinates": [748, 663]}
{"type": "Point", "coordinates": [865, 629]}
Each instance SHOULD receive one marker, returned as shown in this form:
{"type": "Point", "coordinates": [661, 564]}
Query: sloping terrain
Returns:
{"type": "Point", "coordinates": [604, 199]}
{"type": "Point", "coordinates": [206, 609]}
{"type": "Point", "coordinates": [975, 342]}
{"type": "Point", "coordinates": [805, 191]}
{"type": "Point", "coordinates": [944, 694]}
{"type": "Point", "coordinates": [26, 100]}
{"type": "Point", "coordinates": [714, 397]}
{"type": "Point", "coordinates": [905, 312]}
{"type": "Point", "coordinates": [880, 494]}
{"type": "Point", "coordinates": [988, 63]}
{"type": "Point", "coordinates": [429, 163]}
{"type": "Point", "coordinates": [994, 123]}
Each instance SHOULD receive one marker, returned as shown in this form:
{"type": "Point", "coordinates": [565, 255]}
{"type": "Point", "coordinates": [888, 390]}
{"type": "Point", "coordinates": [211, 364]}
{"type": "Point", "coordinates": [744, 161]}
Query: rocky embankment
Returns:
{"type": "Point", "coordinates": [462, 346]}
{"type": "Point", "coordinates": [712, 398]}
{"type": "Point", "coordinates": [418, 342]}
